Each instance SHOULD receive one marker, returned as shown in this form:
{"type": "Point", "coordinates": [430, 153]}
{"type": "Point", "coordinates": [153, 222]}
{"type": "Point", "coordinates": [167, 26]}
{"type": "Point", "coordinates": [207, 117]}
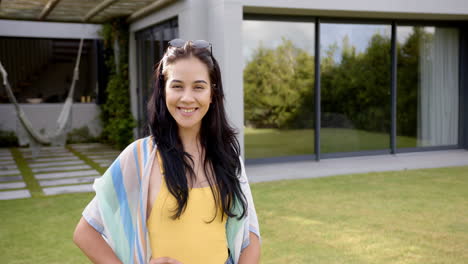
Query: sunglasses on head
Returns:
{"type": "Point", "coordinates": [199, 44]}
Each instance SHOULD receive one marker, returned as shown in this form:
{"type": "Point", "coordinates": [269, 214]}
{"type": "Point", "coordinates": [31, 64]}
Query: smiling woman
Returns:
{"type": "Point", "coordinates": [180, 195]}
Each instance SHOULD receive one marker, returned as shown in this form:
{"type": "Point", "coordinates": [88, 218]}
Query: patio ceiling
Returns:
{"type": "Point", "coordinates": [89, 11]}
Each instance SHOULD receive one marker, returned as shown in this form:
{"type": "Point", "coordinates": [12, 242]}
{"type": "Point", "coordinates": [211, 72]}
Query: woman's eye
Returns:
{"type": "Point", "coordinates": [176, 86]}
{"type": "Point", "coordinates": [199, 87]}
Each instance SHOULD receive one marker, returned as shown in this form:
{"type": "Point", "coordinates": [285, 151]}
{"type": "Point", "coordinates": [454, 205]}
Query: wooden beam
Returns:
{"type": "Point", "coordinates": [101, 6]}
{"type": "Point", "coordinates": [48, 8]}
{"type": "Point", "coordinates": [158, 4]}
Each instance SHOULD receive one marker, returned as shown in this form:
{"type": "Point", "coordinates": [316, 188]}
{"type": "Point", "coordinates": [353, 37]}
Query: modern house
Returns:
{"type": "Point", "coordinates": [303, 79]}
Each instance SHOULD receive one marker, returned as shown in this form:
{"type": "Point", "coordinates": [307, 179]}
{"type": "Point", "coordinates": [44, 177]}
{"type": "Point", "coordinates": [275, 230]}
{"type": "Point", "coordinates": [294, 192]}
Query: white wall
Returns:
{"type": "Point", "coordinates": [35, 29]}
{"type": "Point", "coordinates": [44, 116]}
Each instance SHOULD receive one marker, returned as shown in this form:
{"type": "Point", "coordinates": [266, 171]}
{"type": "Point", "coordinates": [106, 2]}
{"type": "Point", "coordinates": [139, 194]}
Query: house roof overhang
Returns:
{"type": "Point", "coordinates": [83, 11]}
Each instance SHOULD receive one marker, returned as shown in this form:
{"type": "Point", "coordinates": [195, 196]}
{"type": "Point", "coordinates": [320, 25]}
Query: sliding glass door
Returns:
{"type": "Point", "coordinates": [278, 88]}
{"type": "Point", "coordinates": [384, 86]}
{"type": "Point", "coordinates": [355, 87]}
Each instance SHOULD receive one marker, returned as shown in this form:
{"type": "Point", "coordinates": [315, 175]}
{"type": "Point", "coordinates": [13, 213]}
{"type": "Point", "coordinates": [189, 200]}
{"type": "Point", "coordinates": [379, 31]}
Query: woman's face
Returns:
{"type": "Point", "coordinates": [188, 92]}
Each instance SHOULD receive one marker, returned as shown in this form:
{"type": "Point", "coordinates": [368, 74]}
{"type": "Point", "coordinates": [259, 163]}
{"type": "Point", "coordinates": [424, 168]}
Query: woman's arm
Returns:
{"type": "Point", "coordinates": [251, 254]}
{"type": "Point", "coordinates": [92, 244]}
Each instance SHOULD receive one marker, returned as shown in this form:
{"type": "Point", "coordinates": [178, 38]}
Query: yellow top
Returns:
{"type": "Point", "coordinates": [189, 239]}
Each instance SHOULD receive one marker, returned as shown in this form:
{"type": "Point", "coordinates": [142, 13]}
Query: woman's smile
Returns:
{"type": "Point", "coordinates": [187, 111]}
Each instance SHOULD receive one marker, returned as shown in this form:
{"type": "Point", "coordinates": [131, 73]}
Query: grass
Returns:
{"type": "Point", "coordinates": [40, 230]}
{"type": "Point", "coordinates": [414, 216]}
{"type": "Point", "coordinates": [418, 216]}
{"type": "Point", "coordinates": [28, 176]}
{"type": "Point", "coordinates": [262, 143]}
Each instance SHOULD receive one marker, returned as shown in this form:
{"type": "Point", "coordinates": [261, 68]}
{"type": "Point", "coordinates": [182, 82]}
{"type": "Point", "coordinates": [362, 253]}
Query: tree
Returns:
{"type": "Point", "coordinates": [277, 86]}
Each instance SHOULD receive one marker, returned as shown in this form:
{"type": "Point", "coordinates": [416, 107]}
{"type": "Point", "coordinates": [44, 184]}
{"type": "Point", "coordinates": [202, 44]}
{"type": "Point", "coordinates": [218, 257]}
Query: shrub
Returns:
{"type": "Point", "coordinates": [117, 120]}
{"type": "Point", "coordinates": [8, 139]}
{"type": "Point", "coordinates": [81, 135]}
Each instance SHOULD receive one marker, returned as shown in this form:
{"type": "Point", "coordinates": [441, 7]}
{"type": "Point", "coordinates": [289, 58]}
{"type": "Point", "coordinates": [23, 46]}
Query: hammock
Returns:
{"type": "Point", "coordinates": [26, 133]}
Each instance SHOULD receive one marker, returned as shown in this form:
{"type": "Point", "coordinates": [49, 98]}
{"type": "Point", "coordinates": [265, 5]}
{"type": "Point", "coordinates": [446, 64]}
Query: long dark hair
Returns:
{"type": "Point", "coordinates": [217, 138]}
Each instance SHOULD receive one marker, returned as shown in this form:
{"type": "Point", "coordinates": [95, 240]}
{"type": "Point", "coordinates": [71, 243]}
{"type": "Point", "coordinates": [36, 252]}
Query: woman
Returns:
{"type": "Point", "coordinates": [180, 195]}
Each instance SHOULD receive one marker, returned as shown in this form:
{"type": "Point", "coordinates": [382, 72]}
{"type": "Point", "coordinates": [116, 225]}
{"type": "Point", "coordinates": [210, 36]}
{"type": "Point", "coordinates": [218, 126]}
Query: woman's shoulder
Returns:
{"type": "Point", "coordinates": [144, 141]}
{"type": "Point", "coordinates": [141, 146]}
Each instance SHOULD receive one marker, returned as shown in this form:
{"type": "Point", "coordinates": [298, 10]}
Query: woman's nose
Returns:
{"type": "Point", "coordinates": [187, 95]}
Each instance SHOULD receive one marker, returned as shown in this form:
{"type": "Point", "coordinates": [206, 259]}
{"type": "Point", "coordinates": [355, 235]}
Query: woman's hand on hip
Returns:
{"type": "Point", "coordinates": [164, 260]}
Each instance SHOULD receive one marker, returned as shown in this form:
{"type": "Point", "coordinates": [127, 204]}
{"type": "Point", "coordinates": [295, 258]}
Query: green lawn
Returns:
{"type": "Point", "coordinates": [418, 216]}
{"type": "Point", "coordinates": [262, 143]}
{"type": "Point", "coordinates": [39, 230]}
{"type": "Point", "coordinates": [414, 216]}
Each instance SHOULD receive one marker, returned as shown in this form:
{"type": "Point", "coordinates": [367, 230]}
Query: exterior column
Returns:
{"type": "Point", "coordinates": [225, 33]}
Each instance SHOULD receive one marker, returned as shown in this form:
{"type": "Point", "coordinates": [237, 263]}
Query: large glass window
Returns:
{"type": "Point", "coordinates": [427, 105]}
{"type": "Point", "coordinates": [355, 87]}
{"type": "Point", "coordinates": [278, 88]}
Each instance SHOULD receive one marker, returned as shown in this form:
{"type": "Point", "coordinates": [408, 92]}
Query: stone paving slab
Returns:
{"type": "Point", "coordinates": [12, 185]}
{"type": "Point", "coordinates": [8, 166]}
{"type": "Point", "coordinates": [11, 178]}
{"type": "Point", "coordinates": [43, 148]}
{"type": "Point", "coordinates": [67, 181]}
{"type": "Point", "coordinates": [104, 165]}
{"type": "Point", "coordinates": [9, 172]}
{"type": "Point", "coordinates": [107, 152]}
{"type": "Point", "coordinates": [7, 162]}
{"type": "Point", "coordinates": [97, 152]}
{"type": "Point", "coordinates": [67, 168]}
{"type": "Point", "coordinates": [88, 146]}
{"type": "Point", "coordinates": [58, 163]}
{"type": "Point", "coordinates": [68, 189]}
{"type": "Point", "coordinates": [102, 156]}
{"type": "Point", "coordinates": [9, 195]}
{"type": "Point", "coordinates": [68, 174]}
{"type": "Point", "coordinates": [49, 156]}
{"type": "Point", "coordinates": [47, 153]}
{"type": "Point", "coordinates": [6, 158]}
{"type": "Point", "coordinates": [98, 148]}
{"type": "Point", "coordinates": [52, 159]}
{"type": "Point", "coordinates": [103, 160]}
